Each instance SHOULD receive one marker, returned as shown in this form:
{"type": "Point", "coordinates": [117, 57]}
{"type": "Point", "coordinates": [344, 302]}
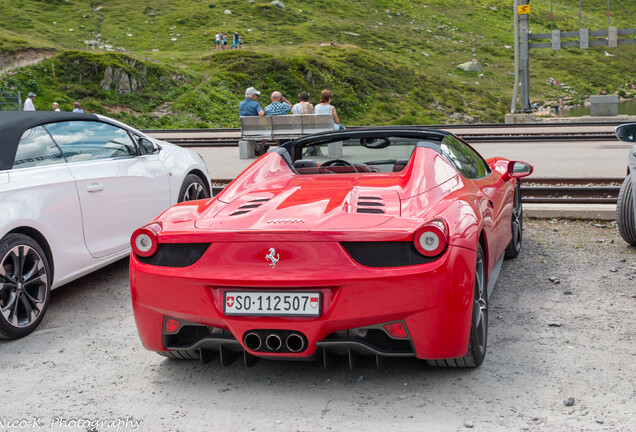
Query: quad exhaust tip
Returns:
{"type": "Point", "coordinates": [253, 341]}
{"type": "Point", "coordinates": [273, 342]}
{"type": "Point", "coordinates": [295, 342]}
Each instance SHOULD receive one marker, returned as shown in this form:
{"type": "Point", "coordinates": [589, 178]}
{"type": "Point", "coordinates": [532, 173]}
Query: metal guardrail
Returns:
{"type": "Point", "coordinates": [583, 36]}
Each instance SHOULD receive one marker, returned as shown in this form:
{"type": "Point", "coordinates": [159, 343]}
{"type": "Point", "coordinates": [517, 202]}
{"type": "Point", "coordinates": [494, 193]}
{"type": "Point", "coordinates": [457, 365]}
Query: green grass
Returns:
{"type": "Point", "coordinates": [395, 62]}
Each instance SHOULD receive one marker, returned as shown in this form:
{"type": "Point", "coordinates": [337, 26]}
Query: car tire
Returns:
{"type": "Point", "coordinates": [625, 218]}
{"type": "Point", "coordinates": [193, 188]}
{"type": "Point", "coordinates": [478, 337]}
{"type": "Point", "coordinates": [25, 285]}
{"type": "Point", "coordinates": [514, 247]}
{"type": "Point", "coordinates": [181, 354]}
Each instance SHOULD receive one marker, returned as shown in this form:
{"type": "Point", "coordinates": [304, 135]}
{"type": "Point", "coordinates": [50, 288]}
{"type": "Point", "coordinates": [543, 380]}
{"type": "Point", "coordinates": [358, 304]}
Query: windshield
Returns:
{"type": "Point", "coordinates": [359, 155]}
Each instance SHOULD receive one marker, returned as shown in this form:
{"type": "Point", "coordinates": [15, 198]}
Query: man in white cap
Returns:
{"type": "Point", "coordinates": [250, 107]}
{"type": "Point", "coordinates": [28, 104]}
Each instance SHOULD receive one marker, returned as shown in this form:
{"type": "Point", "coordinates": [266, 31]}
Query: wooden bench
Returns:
{"type": "Point", "coordinates": [256, 128]}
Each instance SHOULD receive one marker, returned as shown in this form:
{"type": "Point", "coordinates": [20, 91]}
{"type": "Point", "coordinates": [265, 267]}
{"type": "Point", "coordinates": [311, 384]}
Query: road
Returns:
{"type": "Point", "coordinates": [606, 159]}
{"type": "Point", "coordinates": [547, 342]}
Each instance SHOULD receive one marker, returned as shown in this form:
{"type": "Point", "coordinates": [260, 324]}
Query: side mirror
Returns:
{"type": "Point", "coordinates": [146, 146]}
{"type": "Point", "coordinates": [517, 169]}
{"type": "Point", "coordinates": [626, 132]}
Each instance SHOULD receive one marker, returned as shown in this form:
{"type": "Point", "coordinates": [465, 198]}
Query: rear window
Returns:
{"type": "Point", "coordinates": [359, 155]}
{"type": "Point", "coordinates": [37, 148]}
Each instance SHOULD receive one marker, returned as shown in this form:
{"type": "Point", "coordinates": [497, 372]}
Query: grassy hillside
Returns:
{"type": "Point", "coordinates": [395, 61]}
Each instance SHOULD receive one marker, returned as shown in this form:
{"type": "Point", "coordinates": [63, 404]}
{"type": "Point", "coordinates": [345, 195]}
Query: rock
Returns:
{"type": "Point", "coordinates": [134, 85]}
{"type": "Point", "coordinates": [123, 84]}
{"type": "Point", "coordinates": [278, 3]}
{"type": "Point", "coordinates": [360, 379]}
{"type": "Point", "coordinates": [227, 12]}
{"type": "Point", "coordinates": [555, 324]}
{"type": "Point", "coordinates": [567, 292]}
{"type": "Point", "coordinates": [107, 81]}
{"type": "Point", "coordinates": [600, 421]}
{"type": "Point", "coordinates": [613, 269]}
{"type": "Point", "coordinates": [569, 401]}
{"type": "Point", "coordinates": [471, 66]}
{"type": "Point", "coordinates": [554, 280]}
{"type": "Point", "coordinates": [464, 118]}
{"type": "Point", "coordinates": [468, 424]}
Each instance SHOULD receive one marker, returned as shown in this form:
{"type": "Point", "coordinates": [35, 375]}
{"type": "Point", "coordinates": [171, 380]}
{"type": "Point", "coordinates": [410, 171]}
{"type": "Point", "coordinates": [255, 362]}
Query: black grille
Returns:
{"type": "Point", "coordinates": [249, 206]}
{"type": "Point", "coordinates": [370, 210]}
{"type": "Point", "coordinates": [176, 254]}
{"type": "Point", "coordinates": [385, 254]}
{"type": "Point", "coordinates": [367, 204]}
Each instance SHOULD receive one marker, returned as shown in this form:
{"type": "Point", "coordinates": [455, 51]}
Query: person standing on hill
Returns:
{"type": "Point", "coordinates": [77, 108]}
{"type": "Point", "coordinates": [325, 107]}
{"type": "Point", "coordinates": [235, 41]}
{"type": "Point", "coordinates": [28, 103]}
{"type": "Point", "coordinates": [224, 40]}
{"type": "Point", "coordinates": [217, 39]}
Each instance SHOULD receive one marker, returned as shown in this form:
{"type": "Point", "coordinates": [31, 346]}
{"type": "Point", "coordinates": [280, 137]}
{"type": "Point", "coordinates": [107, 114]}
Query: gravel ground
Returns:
{"type": "Point", "coordinates": [561, 357]}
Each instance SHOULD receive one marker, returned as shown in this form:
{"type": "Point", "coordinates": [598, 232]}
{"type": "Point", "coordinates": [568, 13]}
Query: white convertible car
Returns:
{"type": "Point", "coordinates": [73, 188]}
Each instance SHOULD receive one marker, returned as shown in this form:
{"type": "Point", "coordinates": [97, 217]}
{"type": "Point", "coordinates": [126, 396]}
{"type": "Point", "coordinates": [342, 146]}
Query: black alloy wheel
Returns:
{"type": "Point", "coordinates": [192, 189]}
{"type": "Point", "coordinates": [478, 337]}
{"type": "Point", "coordinates": [24, 285]}
{"type": "Point", "coordinates": [514, 247]}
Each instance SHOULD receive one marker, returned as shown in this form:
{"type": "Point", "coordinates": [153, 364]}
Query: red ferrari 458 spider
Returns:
{"type": "Point", "coordinates": [384, 242]}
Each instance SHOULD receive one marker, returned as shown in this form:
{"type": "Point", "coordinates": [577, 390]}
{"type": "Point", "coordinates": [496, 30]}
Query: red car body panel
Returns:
{"type": "Point", "coordinates": [306, 219]}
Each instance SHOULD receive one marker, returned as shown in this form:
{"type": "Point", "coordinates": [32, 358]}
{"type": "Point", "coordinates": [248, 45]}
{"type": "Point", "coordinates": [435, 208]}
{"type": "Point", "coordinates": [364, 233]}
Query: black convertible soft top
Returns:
{"type": "Point", "coordinates": [14, 123]}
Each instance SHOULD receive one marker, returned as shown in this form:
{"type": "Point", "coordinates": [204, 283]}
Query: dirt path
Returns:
{"type": "Point", "coordinates": [9, 61]}
{"type": "Point", "coordinates": [548, 342]}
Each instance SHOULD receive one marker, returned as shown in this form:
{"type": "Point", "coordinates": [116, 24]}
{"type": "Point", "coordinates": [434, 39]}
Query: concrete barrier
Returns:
{"type": "Point", "coordinates": [604, 105]}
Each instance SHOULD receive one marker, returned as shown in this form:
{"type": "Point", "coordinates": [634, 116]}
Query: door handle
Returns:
{"type": "Point", "coordinates": [94, 187]}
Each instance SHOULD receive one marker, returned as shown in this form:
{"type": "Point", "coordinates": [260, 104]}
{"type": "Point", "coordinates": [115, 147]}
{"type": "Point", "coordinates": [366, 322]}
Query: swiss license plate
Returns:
{"type": "Point", "coordinates": [283, 303]}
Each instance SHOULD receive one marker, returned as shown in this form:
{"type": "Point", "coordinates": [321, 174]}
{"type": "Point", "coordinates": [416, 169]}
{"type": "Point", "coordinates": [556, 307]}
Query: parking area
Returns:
{"type": "Point", "coordinates": [561, 326]}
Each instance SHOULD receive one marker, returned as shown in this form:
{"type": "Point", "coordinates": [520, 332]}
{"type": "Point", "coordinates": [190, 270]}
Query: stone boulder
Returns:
{"type": "Point", "coordinates": [107, 81]}
{"type": "Point", "coordinates": [124, 82]}
{"type": "Point", "coordinates": [471, 66]}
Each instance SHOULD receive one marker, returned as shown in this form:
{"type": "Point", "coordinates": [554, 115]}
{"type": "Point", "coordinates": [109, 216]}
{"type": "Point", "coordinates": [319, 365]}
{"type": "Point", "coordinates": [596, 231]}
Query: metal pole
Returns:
{"type": "Point", "coordinates": [524, 60]}
{"type": "Point", "coordinates": [608, 15]}
{"type": "Point", "coordinates": [579, 16]}
{"type": "Point", "coordinates": [515, 89]}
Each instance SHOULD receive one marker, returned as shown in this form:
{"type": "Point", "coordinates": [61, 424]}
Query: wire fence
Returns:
{"type": "Point", "coordinates": [10, 100]}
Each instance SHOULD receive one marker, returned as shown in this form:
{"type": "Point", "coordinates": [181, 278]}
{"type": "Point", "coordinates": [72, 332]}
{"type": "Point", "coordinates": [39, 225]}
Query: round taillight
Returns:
{"type": "Point", "coordinates": [430, 239]}
{"type": "Point", "coordinates": [144, 240]}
